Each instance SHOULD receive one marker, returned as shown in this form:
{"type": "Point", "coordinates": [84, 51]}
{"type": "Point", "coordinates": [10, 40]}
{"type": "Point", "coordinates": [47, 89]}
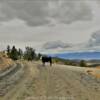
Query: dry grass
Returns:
{"type": "Point", "coordinates": [5, 62]}
{"type": "Point", "coordinates": [95, 73]}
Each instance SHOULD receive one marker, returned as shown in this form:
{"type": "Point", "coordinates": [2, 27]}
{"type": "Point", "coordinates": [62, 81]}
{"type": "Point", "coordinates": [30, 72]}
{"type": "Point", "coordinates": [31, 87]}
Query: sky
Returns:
{"type": "Point", "coordinates": [50, 25]}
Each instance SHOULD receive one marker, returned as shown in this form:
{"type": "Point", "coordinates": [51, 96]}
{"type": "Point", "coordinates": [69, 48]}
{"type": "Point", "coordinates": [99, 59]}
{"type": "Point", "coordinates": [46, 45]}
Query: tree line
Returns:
{"type": "Point", "coordinates": [16, 54]}
{"type": "Point", "coordinates": [30, 54]}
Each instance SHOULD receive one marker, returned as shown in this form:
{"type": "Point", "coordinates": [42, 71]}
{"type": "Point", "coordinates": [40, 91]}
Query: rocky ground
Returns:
{"type": "Point", "coordinates": [32, 81]}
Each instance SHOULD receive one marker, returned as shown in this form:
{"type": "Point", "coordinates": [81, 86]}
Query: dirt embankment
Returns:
{"type": "Point", "coordinates": [10, 74]}
{"type": "Point", "coordinates": [10, 77]}
{"type": "Point", "coordinates": [5, 62]}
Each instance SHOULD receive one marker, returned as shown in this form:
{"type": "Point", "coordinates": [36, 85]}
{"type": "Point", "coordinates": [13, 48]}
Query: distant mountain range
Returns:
{"type": "Point", "coordinates": [78, 55]}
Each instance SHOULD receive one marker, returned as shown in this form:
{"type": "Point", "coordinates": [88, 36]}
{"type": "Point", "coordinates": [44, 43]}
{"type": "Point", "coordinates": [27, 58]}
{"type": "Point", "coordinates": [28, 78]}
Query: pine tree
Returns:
{"type": "Point", "coordinates": [39, 56]}
{"type": "Point", "coordinates": [14, 53]}
{"type": "Point", "coordinates": [8, 51]}
{"type": "Point", "coordinates": [29, 54]}
{"type": "Point", "coordinates": [20, 53]}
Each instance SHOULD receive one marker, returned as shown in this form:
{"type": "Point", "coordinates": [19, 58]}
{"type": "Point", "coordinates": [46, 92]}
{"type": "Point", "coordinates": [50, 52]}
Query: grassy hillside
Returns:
{"type": "Point", "coordinates": [5, 62]}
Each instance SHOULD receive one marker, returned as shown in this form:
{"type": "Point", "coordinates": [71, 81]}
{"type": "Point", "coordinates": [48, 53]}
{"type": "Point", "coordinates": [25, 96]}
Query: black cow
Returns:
{"type": "Point", "coordinates": [46, 59]}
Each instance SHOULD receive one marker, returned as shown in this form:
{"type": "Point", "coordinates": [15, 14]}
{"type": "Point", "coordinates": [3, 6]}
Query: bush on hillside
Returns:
{"type": "Point", "coordinates": [83, 63]}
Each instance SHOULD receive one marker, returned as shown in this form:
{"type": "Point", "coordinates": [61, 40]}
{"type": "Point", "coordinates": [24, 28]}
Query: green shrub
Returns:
{"type": "Point", "coordinates": [83, 63]}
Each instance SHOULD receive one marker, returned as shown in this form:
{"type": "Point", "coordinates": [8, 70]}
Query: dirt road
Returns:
{"type": "Point", "coordinates": [58, 82]}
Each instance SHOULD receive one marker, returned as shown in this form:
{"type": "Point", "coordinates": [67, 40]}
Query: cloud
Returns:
{"type": "Point", "coordinates": [67, 20]}
{"type": "Point", "coordinates": [94, 40]}
{"type": "Point", "coordinates": [69, 11]}
{"type": "Point", "coordinates": [93, 44]}
{"type": "Point", "coordinates": [32, 12]}
{"type": "Point", "coordinates": [56, 45]}
{"type": "Point", "coordinates": [42, 12]}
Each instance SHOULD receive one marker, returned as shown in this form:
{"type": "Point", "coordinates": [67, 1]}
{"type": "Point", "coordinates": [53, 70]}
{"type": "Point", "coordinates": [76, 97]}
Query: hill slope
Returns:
{"type": "Point", "coordinates": [5, 62]}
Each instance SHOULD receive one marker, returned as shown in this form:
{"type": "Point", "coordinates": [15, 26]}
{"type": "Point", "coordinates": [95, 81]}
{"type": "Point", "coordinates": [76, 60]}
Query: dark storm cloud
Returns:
{"type": "Point", "coordinates": [41, 12]}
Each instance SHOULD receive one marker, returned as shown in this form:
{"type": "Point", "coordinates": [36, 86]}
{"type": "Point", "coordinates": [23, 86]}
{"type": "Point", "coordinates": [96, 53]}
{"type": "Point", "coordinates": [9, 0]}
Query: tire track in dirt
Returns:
{"type": "Point", "coordinates": [14, 78]}
{"type": "Point", "coordinates": [10, 78]}
{"type": "Point", "coordinates": [58, 86]}
{"type": "Point", "coordinates": [50, 83]}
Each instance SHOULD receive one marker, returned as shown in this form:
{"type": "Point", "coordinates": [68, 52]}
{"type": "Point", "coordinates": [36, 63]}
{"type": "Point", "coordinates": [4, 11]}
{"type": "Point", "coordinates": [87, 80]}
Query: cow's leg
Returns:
{"type": "Point", "coordinates": [43, 63]}
{"type": "Point", "coordinates": [50, 63]}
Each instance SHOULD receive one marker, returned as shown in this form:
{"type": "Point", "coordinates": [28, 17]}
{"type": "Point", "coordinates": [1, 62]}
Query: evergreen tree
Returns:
{"type": "Point", "coordinates": [20, 53]}
{"type": "Point", "coordinates": [29, 54]}
{"type": "Point", "coordinates": [8, 51]}
{"type": "Point", "coordinates": [39, 56]}
{"type": "Point", "coordinates": [14, 53]}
